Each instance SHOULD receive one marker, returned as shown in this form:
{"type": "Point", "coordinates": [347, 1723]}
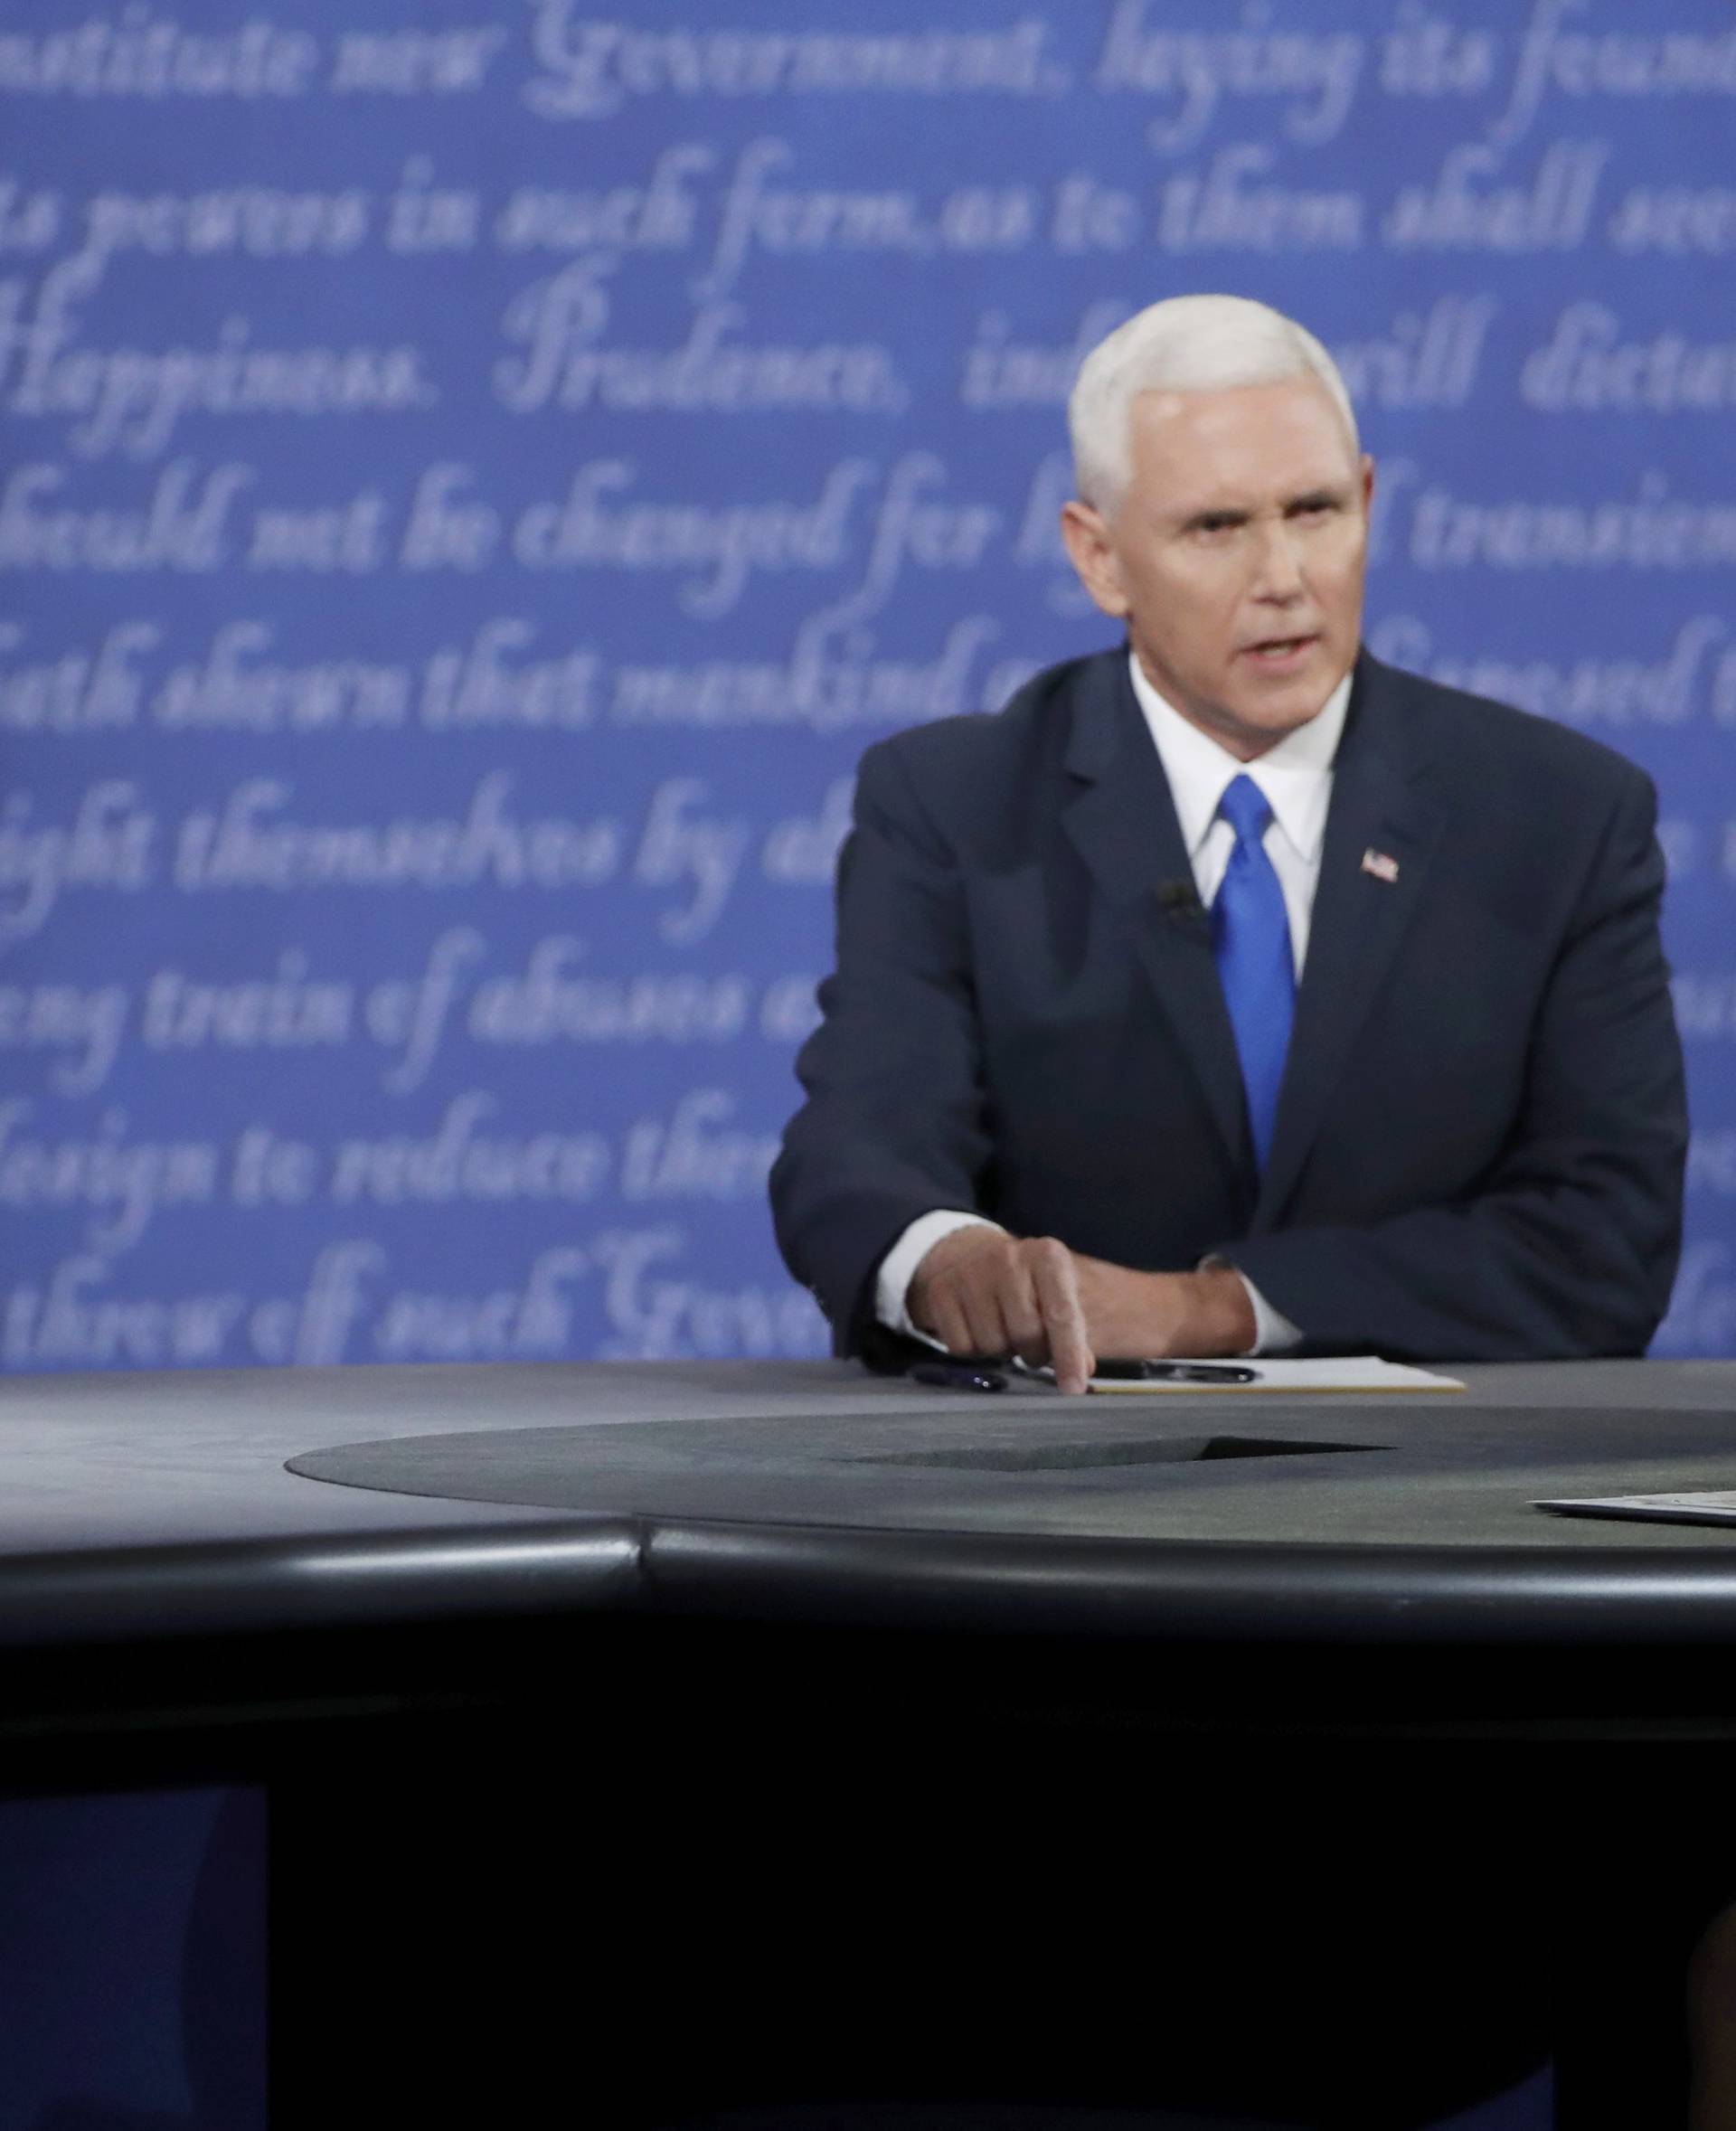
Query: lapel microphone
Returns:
{"type": "Point", "coordinates": [1179, 900]}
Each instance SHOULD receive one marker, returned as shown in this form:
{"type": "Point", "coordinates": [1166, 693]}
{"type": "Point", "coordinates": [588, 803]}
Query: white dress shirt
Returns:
{"type": "Point", "coordinates": [1296, 778]}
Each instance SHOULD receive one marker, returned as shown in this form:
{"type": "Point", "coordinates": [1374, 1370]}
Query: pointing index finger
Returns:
{"type": "Point", "coordinates": [1064, 1314]}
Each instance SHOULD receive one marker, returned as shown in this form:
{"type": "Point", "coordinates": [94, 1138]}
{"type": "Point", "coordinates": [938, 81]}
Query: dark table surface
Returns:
{"type": "Point", "coordinates": [164, 1457]}
{"type": "Point", "coordinates": [780, 1628]}
{"type": "Point", "coordinates": [152, 1503]}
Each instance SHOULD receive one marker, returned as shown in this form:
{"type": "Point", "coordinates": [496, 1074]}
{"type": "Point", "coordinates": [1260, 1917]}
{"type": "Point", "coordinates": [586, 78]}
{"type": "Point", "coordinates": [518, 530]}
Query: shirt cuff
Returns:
{"type": "Point", "coordinates": [1273, 1332]}
{"type": "Point", "coordinates": [898, 1267]}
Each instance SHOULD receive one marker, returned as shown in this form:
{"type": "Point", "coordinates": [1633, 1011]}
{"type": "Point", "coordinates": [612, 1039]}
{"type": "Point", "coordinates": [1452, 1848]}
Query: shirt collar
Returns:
{"type": "Point", "coordinates": [1295, 776]}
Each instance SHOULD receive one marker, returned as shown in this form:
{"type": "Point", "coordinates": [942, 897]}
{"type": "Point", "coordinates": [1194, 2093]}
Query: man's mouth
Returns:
{"type": "Point", "coordinates": [1277, 651]}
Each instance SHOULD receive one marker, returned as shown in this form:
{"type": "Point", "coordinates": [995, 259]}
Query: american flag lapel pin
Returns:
{"type": "Point", "coordinates": [1379, 864]}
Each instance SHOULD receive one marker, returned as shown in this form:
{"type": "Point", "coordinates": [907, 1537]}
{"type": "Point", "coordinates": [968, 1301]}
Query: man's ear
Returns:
{"type": "Point", "coordinates": [1093, 554]}
{"type": "Point", "coordinates": [1368, 483]}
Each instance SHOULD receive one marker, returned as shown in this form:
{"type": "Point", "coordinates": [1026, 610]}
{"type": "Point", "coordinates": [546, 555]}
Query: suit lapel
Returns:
{"type": "Point", "coordinates": [1383, 802]}
{"type": "Point", "coordinates": [1122, 820]}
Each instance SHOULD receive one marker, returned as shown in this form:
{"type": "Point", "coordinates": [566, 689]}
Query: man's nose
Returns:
{"type": "Point", "coordinates": [1278, 564]}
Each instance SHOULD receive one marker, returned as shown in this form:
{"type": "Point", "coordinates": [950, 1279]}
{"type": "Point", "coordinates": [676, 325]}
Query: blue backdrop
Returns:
{"type": "Point", "coordinates": [476, 476]}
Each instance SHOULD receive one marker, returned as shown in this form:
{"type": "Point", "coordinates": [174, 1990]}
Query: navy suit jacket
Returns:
{"type": "Point", "coordinates": [1480, 1139]}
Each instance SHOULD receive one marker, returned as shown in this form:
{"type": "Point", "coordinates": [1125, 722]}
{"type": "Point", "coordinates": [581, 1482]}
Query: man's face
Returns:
{"type": "Point", "coordinates": [1235, 554]}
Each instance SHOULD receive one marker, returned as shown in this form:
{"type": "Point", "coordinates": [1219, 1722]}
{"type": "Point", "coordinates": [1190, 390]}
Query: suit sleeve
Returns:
{"type": "Point", "coordinates": [1569, 1248]}
{"type": "Point", "coordinates": [894, 1125]}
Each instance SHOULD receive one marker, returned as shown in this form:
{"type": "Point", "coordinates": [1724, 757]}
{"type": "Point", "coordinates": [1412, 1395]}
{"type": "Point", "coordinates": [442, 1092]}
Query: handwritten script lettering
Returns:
{"type": "Point", "coordinates": [480, 476]}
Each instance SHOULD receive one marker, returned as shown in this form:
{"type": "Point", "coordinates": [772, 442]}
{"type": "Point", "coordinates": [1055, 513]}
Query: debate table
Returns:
{"type": "Point", "coordinates": [675, 1609]}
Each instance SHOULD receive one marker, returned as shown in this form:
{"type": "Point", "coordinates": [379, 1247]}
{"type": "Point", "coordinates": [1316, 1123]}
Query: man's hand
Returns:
{"type": "Point", "coordinates": [983, 1292]}
{"type": "Point", "coordinates": [1134, 1316]}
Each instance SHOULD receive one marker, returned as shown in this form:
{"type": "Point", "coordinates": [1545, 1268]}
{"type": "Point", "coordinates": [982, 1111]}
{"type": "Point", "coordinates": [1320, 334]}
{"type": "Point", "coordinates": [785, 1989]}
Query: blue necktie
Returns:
{"type": "Point", "coordinates": [1250, 931]}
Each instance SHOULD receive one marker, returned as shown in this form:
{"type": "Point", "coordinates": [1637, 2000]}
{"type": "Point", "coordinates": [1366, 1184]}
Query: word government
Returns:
{"type": "Point", "coordinates": [591, 68]}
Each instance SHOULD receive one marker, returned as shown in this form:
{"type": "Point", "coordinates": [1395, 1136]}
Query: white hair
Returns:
{"type": "Point", "coordinates": [1186, 344]}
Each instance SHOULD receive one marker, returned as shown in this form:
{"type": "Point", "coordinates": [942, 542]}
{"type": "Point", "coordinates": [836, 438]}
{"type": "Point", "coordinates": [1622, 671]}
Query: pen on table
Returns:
{"type": "Point", "coordinates": [1179, 1371]}
{"type": "Point", "coordinates": [957, 1376]}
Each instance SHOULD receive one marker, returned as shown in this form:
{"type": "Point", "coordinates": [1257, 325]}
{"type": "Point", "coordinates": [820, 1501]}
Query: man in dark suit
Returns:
{"type": "Point", "coordinates": [1233, 991]}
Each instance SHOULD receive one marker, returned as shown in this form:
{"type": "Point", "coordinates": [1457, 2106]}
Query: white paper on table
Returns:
{"type": "Point", "coordinates": [1341, 1372]}
{"type": "Point", "coordinates": [1712, 1508]}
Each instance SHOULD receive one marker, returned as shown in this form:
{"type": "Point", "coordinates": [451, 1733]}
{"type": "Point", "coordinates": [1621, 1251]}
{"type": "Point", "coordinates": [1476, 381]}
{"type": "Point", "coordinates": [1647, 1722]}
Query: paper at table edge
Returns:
{"type": "Point", "coordinates": [1706, 1506]}
{"type": "Point", "coordinates": [1279, 1372]}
